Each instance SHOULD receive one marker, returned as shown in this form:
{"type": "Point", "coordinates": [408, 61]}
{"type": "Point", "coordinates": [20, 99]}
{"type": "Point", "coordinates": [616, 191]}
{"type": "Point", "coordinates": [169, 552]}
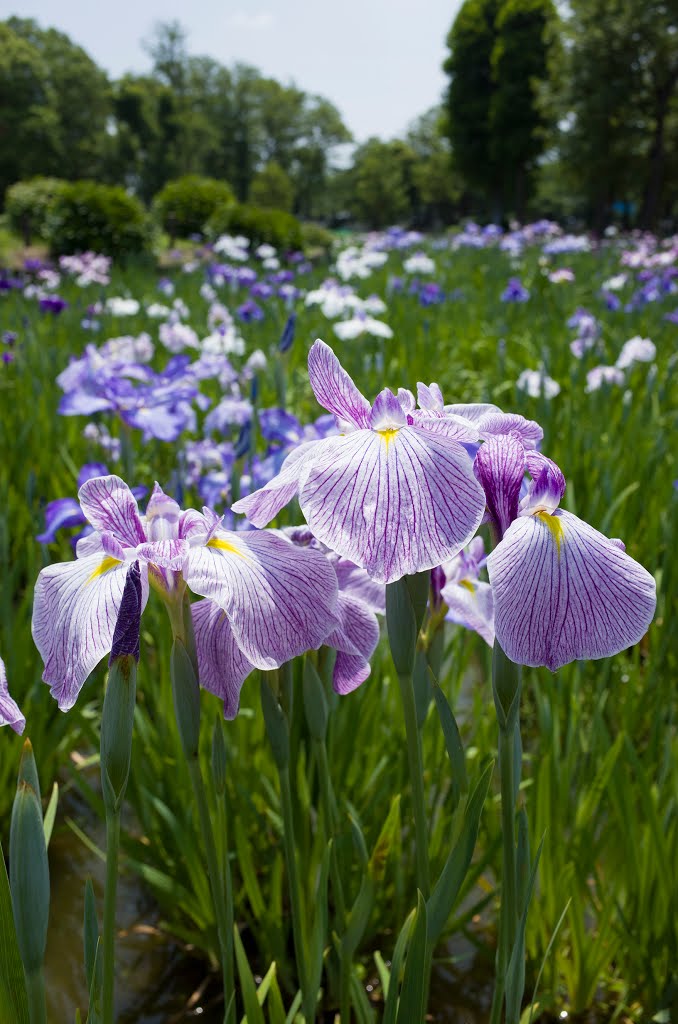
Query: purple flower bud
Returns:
{"type": "Point", "coordinates": [126, 635]}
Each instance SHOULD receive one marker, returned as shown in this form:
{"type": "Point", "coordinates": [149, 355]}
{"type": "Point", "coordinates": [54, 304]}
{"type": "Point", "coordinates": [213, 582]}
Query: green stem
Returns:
{"type": "Point", "coordinates": [416, 767]}
{"type": "Point", "coordinates": [214, 872]}
{"type": "Point", "coordinates": [345, 991]}
{"type": "Point", "coordinates": [228, 965]}
{"type": "Point", "coordinates": [108, 938]}
{"type": "Point", "coordinates": [308, 998]}
{"type": "Point", "coordinates": [35, 990]}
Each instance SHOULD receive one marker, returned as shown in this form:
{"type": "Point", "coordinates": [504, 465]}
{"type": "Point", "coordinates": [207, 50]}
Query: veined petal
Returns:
{"type": "Point", "coordinates": [110, 507]}
{"type": "Point", "coordinates": [280, 599]}
{"type": "Point", "coordinates": [9, 709]}
{"type": "Point", "coordinates": [473, 411]}
{"type": "Point", "coordinates": [454, 427]}
{"type": "Point", "coordinates": [75, 609]}
{"type": "Point", "coordinates": [354, 640]}
{"type": "Point", "coordinates": [263, 505]}
{"type": "Point", "coordinates": [354, 581]}
{"type": "Point", "coordinates": [470, 604]}
{"type": "Point", "coordinates": [500, 468]}
{"type": "Point", "coordinates": [529, 431]}
{"type": "Point", "coordinates": [166, 554]}
{"type": "Point", "coordinates": [387, 412]}
{"type": "Point", "coordinates": [563, 591]}
{"type": "Point", "coordinates": [333, 387]}
{"type": "Point", "coordinates": [394, 503]}
{"type": "Point", "coordinates": [222, 666]}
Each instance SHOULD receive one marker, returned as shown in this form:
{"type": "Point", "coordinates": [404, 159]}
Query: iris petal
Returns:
{"type": "Point", "coordinates": [333, 387]}
{"type": "Point", "coordinates": [263, 505]}
{"type": "Point", "coordinates": [222, 666]}
{"type": "Point", "coordinates": [563, 591]}
{"type": "Point", "coordinates": [394, 505]}
{"type": "Point", "coordinates": [110, 507]}
{"type": "Point", "coordinates": [9, 709]}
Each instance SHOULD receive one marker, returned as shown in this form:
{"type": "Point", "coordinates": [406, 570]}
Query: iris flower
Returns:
{"type": "Point", "coordinates": [267, 601]}
{"type": "Point", "coordinates": [9, 709]}
{"type": "Point", "coordinates": [468, 598]}
{"type": "Point", "coordinates": [562, 590]}
{"type": "Point", "coordinates": [392, 495]}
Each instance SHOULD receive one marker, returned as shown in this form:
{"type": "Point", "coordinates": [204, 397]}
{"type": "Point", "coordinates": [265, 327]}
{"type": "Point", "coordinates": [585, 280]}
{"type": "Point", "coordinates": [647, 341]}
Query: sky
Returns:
{"type": "Point", "coordinates": [379, 61]}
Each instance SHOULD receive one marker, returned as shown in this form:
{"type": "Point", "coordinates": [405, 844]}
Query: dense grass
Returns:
{"type": "Point", "coordinates": [600, 746]}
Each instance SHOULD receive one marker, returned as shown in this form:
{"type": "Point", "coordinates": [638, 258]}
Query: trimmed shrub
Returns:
{"type": "Point", "coordinates": [276, 227]}
{"type": "Point", "coordinates": [271, 187]}
{"type": "Point", "coordinates": [104, 218]}
{"type": "Point", "coordinates": [316, 237]}
{"type": "Point", "coordinates": [27, 205]}
{"type": "Point", "coordinates": [182, 206]}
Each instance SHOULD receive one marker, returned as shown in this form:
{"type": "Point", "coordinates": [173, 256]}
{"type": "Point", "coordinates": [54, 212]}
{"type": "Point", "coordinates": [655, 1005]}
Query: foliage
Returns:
{"type": "Point", "coordinates": [28, 204]}
{"type": "Point", "coordinates": [271, 187]}
{"type": "Point", "coordinates": [275, 227]}
{"type": "Point", "coordinates": [184, 205]}
{"type": "Point", "coordinates": [88, 216]}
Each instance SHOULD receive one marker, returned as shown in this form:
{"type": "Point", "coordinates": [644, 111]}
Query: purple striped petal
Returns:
{"type": "Point", "coordinates": [166, 554]}
{"type": "Point", "coordinates": [75, 609]}
{"type": "Point", "coordinates": [60, 515]}
{"type": "Point", "coordinates": [387, 412]}
{"type": "Point", "coordinates": [529, 432]}
{"type": "Point", "coordinates": [334, 389]}
{"type": "Point", "coordinates": [110, 507]}
{"type": "Point", "coordinates": [547, 487]}
{"type": "Point", "coordinates": [354, 581]}
{"type": "Point", "coordinates": [394, 503]}
{"type": "Point", "coordinates": [563, 591]}
{"type": "Point", "coordinates": [473, 411]}
{"type": "Point", "coordinates": [470, 604]}
{"type": "Point", "coordinates": [430, 399]}
{"type": "Point", "coordinates": [500, 468]}
{"type": "Point", "coordinates": [263, 505]}
{"type": "Point", "coordinates": [222, 666]}
{"type": "Point", "coordinates": [355, 641]}
{"type": "Point", "coordinates": [280, 599]}
{"type": "Point", "coordinates": [9, 709]}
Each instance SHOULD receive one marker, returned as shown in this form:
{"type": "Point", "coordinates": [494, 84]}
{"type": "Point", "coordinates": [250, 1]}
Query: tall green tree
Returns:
{"type": "Point", "coordinates": [499, 54]}
{"type": "Point", "coordinates": [382, 190]}
{"type": "Point", "coordinates": [79, 99]}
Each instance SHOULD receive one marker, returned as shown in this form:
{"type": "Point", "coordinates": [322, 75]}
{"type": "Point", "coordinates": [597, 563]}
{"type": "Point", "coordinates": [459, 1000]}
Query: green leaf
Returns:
{"type": "Point", "coordinates": [515, 972]}
{"type": "Point", "coordinates": [274, 1003]}
{"type": "Point", "coordinates": [453, 745]}
{"type": "Point", "coordinates": [294, 1009]}
{"type": "Point", "coordinates": [451, 879]}
{"type": "Point", "coordinates": [319, 929]}
{"type": "Point", "coordinates": [391, 996]}
{"type": "Point", "coordinates": [94, 1013]}
{"type": "Point", "coordinates": [90, 932]}
{"type": "Point", "coordinates": [50, 813]}
{"type": "Point", "coordinates": [388, 837]}
{"type": "Point", "coordinates": [361, 1004]}
{"type": "Point", "coordinates": [415, 980]}
{"type": "Point", "coordinates": [13, 1001]}
{"type": "Point", "coordinates": [248, 988]}
{"type": "Point", "coordinates": [315, 701]}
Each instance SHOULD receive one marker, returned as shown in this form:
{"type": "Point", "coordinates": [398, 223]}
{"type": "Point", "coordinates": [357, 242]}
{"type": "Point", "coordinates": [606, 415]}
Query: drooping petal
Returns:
{"type": "Point", "coordinates": [333, 387]}
{"type": "Point", "coordinates": [500, 468]}
{"type": "Point", "coordinates": [470, 604]}
{"type": "Point", "coordinates": [280, 599]}
{"type": "Point", "coordinates": [393, 503]}
{"type": "Point", "coordinates": [473, 411]}
{"type": "Point", "coordinates": [354, 581]}
{"type": "Point", "coordinates": [110, 507]}
{"type": "Point", "coordinates": [529, 432]}
{"type": "Point", "coordinates": [222, 666]}
{"type": "Point", "coordinates": [75, 609]}
{"type": "Point", "coordinates": [354, 640]}
{"type": "Point", "coordinates": [9, 709]}
{"type": "Point", "coordinates": [263, 505]}
{"type": "Point", "coordinates": [563, 591]}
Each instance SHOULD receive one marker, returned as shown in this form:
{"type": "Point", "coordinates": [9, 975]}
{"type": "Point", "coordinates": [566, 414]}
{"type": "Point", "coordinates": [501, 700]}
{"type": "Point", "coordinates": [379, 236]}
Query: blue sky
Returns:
{"type": "Point", "coordinates": [379, 61]}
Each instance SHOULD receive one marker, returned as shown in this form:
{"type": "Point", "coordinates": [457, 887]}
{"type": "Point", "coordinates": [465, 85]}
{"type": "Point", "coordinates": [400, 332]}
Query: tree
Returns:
{"type": "Point", "coordinates": [272, 187]}
{"type": "Point", "coordinates": [436, 179]}
{"type": "Point", "coordinates": [28, 119]}
{"type": "Point", "coordinates": [382, 188]}
{"type": "Point", "coordinates": [498, 54]}
{"type": "Point", "coordinates": [79, 99]}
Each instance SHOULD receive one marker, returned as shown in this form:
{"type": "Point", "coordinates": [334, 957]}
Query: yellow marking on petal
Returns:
{"type": "Point", "coordinates": [107, 563]}
{"type": "Point", "coordinates": [554, 525]}
{"type": "Point", "coordinates": [388, 435]}
{"type": "Point", "coordinates": [468, 585]}
{"type": "Point", "coordinates": [223, 545]}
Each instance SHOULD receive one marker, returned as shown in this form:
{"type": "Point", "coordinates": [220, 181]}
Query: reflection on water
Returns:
{"type": "Point", "coordinates": [154, 977]}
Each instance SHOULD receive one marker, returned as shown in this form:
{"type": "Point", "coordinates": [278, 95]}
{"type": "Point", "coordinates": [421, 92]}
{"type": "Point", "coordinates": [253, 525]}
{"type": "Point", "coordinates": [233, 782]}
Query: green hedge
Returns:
{"type": "Point", "coordinates": [182, 206]}
{"type": "Point", "coordinates": [27, 205]}
{"type": "Point", "coordinates": [276, 227]}
{"type": "Point", "coordinates": [85, 215]}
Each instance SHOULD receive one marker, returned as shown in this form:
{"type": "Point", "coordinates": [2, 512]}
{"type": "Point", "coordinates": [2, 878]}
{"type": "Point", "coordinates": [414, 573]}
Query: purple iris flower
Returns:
{"type": "Point", "coordinates": [562, 591]}
{"type": "Point", "coordinates": [515, 291]}
{"type": "Point", "coordinates": [393, 496]}
{"type": "Point", "coordinates": [9, 709]}
{"type": "Point", "coordinates": [9, 337]}
{"type": "Point", "coordinates": [468, 598]}
{"type": "Point", "coordinates": [52, 304]}
{"type": "Point", "coordinates": [249, 616]}
{"type": "Point", "coordinates": [250, 311]}
{"type": "Point", "coordinates": [261, 290]}
{"type": "Point", "coordinates": [8, 357]}
{"type": "Point", "coordinates": [65, 513]}
{"type": "Point", "coordinates": [486, 418]}
{"type": "Point", "coordinates": [287, 336]}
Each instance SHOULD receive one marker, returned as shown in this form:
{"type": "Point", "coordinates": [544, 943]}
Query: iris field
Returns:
{"type": "Point", "coordinates": [194, 373]}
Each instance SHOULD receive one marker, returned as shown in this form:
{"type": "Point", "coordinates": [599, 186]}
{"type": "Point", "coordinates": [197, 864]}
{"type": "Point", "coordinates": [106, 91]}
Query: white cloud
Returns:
{"type": "Point", "coordinates": [254, 22]}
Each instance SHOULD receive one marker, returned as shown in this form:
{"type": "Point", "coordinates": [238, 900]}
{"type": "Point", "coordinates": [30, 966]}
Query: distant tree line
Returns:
{"type": "Point", "coordinates": [571, 113]}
